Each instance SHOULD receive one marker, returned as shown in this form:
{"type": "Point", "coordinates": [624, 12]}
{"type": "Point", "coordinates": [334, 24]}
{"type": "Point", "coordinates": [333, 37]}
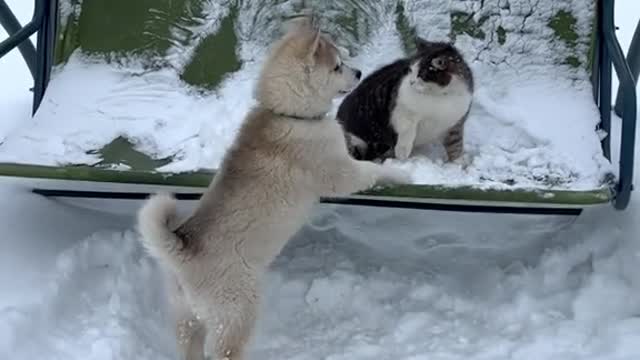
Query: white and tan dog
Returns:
{"type": "Point", "coordinates": [286, 156]}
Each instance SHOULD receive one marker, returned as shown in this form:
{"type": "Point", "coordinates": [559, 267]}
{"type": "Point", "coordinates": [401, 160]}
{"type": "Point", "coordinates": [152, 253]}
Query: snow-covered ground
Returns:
{"type": "Point", "coordinates": [354, 284]}
{"type": "Point", "coordinates": [71, 293]}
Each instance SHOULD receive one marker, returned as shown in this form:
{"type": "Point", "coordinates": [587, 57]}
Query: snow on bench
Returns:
{"type": "Point", "coordinates": [532, 124]}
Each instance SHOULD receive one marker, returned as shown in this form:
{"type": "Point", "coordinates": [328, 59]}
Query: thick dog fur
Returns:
{"type": "Point", "coordinates": [286, 155]}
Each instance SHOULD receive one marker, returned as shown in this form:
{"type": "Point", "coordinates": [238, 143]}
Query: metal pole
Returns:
{"type": "Point", "coordinates": [46, 43]}
{"type": "Point", "coordinates": [604, 82]}
{"type": "Point", "coordinates": [627, 139]}
{"type": "Point", "coordinates": [633, 59]}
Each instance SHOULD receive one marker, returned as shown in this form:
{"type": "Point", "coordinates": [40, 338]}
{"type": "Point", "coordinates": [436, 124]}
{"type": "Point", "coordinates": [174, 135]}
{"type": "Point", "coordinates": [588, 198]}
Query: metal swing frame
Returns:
{"type": "Point", "coordinates": [39, 60]}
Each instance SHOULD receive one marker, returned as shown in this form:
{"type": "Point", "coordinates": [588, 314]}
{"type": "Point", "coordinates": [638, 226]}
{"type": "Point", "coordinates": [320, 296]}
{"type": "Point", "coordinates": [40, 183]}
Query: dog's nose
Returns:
{"type": "Point", "coordinates": [358, 74]}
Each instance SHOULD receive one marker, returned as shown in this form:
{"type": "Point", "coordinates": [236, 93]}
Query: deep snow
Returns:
{"type": "Point", "coordinates": [77, 285]}
{"type": "Point", "coordinates": [74, 284]}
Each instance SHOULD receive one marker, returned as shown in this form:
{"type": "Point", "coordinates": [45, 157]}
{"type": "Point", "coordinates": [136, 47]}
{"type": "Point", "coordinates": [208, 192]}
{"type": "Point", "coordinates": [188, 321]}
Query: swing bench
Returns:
{"type": "Point", "coordinates": [98, 64]}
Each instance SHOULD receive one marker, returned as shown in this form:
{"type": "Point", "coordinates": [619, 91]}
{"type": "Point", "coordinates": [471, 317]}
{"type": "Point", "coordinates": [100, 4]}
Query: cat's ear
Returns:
{"type": "Point", "coordinates": [422, 44]}
{"type": "Point", "coordinates": [299, 23]}
{"type": "Point", "coordinates": [305, 20]}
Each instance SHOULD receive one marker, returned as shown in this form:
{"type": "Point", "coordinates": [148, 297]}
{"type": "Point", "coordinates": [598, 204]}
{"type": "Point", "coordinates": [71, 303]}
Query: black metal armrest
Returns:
{"type": "Point", "coordinates": [44, 22]}
{"type": "Point", "coordinates": [633, 58]}
{"type": "Point", "coordinates": [23, 34]}
{"type": "Point", "coordinates": [629, 108]}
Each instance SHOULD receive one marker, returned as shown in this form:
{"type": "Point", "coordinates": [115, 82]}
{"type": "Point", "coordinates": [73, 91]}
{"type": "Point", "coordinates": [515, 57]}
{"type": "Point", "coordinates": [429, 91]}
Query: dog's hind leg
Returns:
{"type": "Point", "coordinates": [190, 330]}
{"type": "Point", "coordinates": [234, 323]}
{"type": "Point", "coordinates": [191, 338]}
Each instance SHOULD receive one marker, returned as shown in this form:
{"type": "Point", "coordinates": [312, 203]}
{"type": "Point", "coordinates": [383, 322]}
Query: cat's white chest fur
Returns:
{"type": "Point", "coordinates": [424, 112]}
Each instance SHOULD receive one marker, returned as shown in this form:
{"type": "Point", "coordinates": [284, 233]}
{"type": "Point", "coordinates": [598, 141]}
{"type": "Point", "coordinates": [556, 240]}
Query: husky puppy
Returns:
{"type": "Point", "coordinates": [287, 154]}
{"type": "Point", "coordinates": [409, 103]}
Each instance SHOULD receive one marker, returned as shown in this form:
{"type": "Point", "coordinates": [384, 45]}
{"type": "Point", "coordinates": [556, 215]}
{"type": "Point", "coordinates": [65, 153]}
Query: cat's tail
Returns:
{"type": "Point", "coordinates": [356, 146]}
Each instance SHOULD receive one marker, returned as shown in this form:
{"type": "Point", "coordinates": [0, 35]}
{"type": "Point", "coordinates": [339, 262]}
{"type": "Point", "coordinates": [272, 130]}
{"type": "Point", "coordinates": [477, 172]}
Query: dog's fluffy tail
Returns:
{"type": "Point", "coordinates": [157, 220]}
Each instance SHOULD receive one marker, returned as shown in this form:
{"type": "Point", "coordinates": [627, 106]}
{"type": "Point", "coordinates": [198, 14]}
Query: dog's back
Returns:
{"type": "Point", "coordinates": [263, 188]}
{"type": "Point", "coordinates": [258, 199]}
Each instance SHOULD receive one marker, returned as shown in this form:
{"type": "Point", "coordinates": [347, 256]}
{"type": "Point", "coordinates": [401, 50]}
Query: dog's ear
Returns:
{"type": "Point", "coordinates": [315, 45]}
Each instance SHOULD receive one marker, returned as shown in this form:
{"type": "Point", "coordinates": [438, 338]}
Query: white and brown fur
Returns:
{"type": "Point", "coordinates": [409, 103]}
{"type": "Point", "coordinates": [286, 155]}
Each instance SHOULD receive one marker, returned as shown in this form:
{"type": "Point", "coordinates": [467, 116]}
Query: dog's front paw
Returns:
{"type": "Point", "coordinates": [393, 175]}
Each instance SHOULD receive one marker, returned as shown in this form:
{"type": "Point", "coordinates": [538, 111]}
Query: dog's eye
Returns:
{"type": "Point", "coordinates": [337, 68]}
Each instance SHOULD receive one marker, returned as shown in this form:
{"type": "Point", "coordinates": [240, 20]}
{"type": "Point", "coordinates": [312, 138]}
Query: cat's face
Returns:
{"type": "Point", "coordinates": [439, 68]}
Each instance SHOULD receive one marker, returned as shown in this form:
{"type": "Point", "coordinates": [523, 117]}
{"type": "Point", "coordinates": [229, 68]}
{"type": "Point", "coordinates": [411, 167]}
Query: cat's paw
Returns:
{"type": "Point", "coordinates": [463, 161]}
{"type": "Point", "coordinates": [402, 151]}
